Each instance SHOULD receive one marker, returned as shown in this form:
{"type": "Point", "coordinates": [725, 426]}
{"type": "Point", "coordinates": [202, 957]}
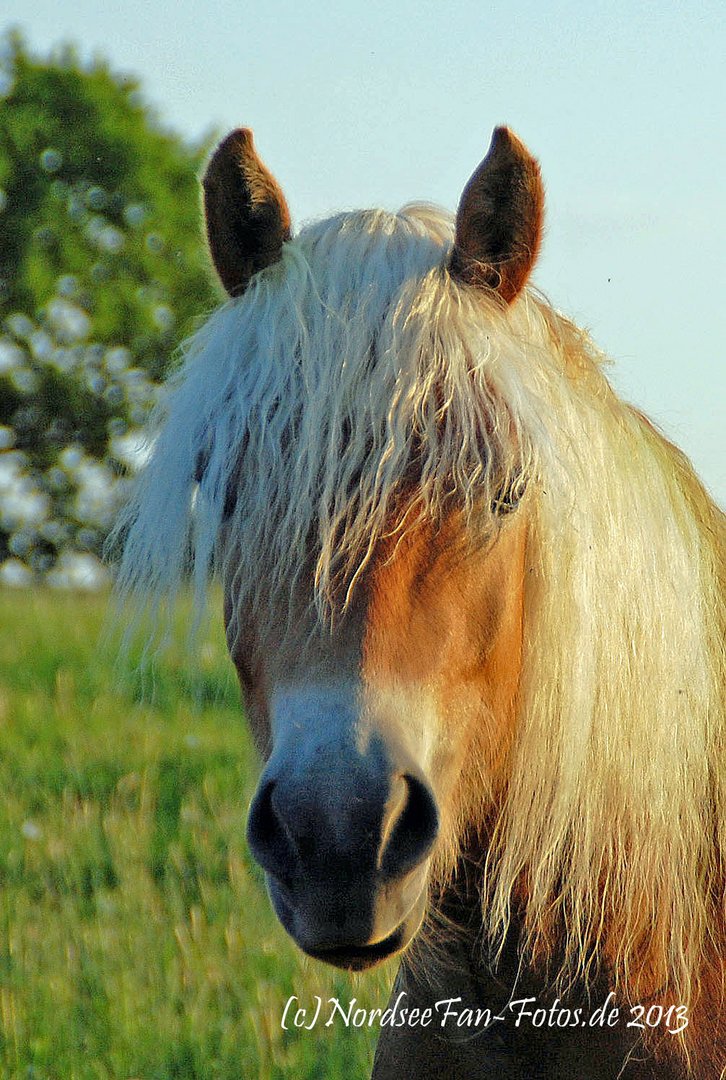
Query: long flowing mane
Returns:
{"type": "Point", "coordinates": [357, 362]}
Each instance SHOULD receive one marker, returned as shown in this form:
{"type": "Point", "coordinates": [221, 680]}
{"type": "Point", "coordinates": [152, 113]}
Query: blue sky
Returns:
{"type": "Point", "coordinates": [379, 103]}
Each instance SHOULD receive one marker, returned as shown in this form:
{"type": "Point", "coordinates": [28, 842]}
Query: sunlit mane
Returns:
{"type": "Point", "coordinates": [344, 367]}
{"type": "Point", "coordinates": [355, 373]}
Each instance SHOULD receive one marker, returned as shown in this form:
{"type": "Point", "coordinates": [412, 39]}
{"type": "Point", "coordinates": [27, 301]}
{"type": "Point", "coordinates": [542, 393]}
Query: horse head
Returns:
{"type": "Point", "coordinates": [377, 728]}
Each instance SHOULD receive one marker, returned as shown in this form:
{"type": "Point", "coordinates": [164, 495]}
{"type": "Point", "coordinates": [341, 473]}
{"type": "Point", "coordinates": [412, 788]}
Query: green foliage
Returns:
{"type": "Point", "coordinates": [102, 273]}
{"type": "Point", "coordinates": [136, 939]}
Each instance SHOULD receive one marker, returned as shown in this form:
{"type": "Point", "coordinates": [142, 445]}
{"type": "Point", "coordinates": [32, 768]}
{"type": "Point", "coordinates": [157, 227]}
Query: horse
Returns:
{"type": "Point", "coordinates": [475, 604]}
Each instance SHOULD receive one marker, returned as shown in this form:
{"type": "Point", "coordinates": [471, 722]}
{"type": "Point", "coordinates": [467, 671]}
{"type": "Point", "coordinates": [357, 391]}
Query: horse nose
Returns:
{"type": "Point", "coordinates": [387, 828]}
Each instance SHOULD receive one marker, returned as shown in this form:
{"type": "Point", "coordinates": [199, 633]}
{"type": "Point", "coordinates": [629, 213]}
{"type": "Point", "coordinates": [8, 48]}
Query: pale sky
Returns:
{"type": "Point", "coordinates": [379, 103]}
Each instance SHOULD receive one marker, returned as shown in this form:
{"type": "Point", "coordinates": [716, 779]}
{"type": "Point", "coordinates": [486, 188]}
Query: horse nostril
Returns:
{"type": "Point", "coordinates": [410, 829]}
{"type": "Point", "coordinates": [269, 840]}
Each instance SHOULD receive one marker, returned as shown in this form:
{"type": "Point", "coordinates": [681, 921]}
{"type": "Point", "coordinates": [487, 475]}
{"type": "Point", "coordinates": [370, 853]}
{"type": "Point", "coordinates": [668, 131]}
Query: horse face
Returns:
{"type": "Point", "coordinates": [380, 733]}
{"type": "Point", "coordinates": [372, 730]}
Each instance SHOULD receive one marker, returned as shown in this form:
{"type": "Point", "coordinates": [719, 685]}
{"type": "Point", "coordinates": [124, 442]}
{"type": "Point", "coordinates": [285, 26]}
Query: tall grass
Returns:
{"type": "Point", "coordinates": [136, 939]}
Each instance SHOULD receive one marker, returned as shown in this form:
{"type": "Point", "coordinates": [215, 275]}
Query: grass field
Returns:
{"type": "Point", "coordinates": [136, 938]}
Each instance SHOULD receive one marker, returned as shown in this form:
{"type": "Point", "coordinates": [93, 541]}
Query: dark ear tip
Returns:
{"type": "Point", "coordinates": [237, 143]}
{"type": "Point", "coordinates": [500, 136]}
{"type": "Point", "coordinates": [506, 143]}
{"type": "Point", "coordinates": [241, 137]}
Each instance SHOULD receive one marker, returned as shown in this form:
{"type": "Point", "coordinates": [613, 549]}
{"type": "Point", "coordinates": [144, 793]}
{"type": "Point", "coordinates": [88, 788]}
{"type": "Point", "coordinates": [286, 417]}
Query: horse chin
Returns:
{"type": "Point", "coordinates": [353, 957]}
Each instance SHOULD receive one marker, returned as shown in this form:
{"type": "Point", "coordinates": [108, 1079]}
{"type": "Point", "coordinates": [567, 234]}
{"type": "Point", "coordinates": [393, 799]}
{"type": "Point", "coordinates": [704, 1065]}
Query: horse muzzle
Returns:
{"type": "Point", "coordinates": [344, 837]}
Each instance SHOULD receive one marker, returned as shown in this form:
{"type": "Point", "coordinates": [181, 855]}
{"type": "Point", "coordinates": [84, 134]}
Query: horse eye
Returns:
{"type": "Point", "coordinates": [509, 497]}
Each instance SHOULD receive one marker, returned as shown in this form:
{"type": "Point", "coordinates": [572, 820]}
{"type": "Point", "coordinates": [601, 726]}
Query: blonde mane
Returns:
{"type": "Point", "coordinates": [356, 360]}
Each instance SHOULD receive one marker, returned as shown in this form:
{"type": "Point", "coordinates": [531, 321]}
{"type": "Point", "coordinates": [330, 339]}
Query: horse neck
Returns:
{"type": "Point", "coordinates": [450, 961]}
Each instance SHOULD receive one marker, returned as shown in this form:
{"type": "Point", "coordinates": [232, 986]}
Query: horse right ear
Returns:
{"type": "Point", "coordinates": [499, 220]}
{"type": "Point", "coordinates": [247, 216]}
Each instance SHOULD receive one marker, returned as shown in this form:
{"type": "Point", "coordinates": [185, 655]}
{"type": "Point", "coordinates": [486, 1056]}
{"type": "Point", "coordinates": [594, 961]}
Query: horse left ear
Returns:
{"type": "Point", "coordinates": [499, 220]}
{"type": "Point", "coordinates": [247, 216]}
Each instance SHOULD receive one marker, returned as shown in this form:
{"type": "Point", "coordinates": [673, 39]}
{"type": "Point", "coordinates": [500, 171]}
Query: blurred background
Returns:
{"type": "Point", "coordinates": [135, 936]}
{"type": "Point", "coordinates": [101, 273]}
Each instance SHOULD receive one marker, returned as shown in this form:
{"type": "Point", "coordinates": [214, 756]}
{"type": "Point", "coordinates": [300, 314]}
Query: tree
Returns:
{"type": "Point", "coordinates": [102, 273]}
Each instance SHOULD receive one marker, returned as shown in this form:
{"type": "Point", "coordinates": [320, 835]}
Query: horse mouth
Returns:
{"type": "Point", "coordinates": [350, 956]}
{"type": "Point", "coordinates": [361, 957]}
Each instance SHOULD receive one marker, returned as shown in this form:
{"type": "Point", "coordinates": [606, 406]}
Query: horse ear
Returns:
{"type": "Point", "coordinates": [246, 213]}
{"type": "Point", "coordinates": [499, 220]}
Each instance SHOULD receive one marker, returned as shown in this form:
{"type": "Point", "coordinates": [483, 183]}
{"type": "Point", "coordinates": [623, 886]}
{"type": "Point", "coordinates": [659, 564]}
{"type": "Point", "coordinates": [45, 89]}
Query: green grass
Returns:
{"type": "Point", "coordinates": [136, 938]}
